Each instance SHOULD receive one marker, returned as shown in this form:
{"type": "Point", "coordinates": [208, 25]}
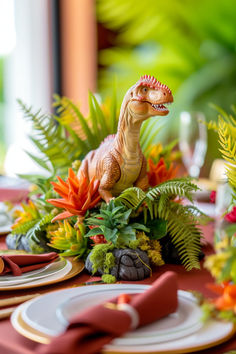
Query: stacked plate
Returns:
{"type": "Point", "coordinates": [59, 270]}
{"type": "Point", "coordinates": [5, 219]}
{"type": "Point", "coordinates": [180, 332]}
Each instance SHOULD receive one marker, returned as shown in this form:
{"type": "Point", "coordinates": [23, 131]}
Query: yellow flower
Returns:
{"type": "Point", "coordinates": [216, 262]}
{"type": "Point", "coordinates": [155, 151]}
{"type": "Point", "coordinates": [29, 212]}
{"type": "Point", "coordinates": [223, 244]}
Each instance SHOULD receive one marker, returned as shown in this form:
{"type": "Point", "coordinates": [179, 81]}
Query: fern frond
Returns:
{"type": "Point", "coordinates": [132, 197]}
{"type": "Point", "coordinates": [227, 140]}
{"type": "Point", "coordinates": [50, 138]}
{"type": "Point", "coordinates": [185, 235]}
{"type": "Point", "coordinates": [39, 226]}
{"type": "Point", "coordinates": [181, 187]}
{"type": "Point", "coordinates": [212, 125]}
{"type": "Point", "coordinates": [24, 228]}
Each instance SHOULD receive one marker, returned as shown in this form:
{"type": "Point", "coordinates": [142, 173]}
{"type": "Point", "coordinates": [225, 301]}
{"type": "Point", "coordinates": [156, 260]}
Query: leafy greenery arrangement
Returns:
{"type": "Point", "coordinates": [135, 219]}
{"type": "Point", "coordinates": [222, 264]}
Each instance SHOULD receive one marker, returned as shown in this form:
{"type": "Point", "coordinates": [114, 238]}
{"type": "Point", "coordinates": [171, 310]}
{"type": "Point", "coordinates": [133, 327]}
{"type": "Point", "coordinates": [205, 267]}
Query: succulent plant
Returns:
{"type": "Point", "coordinates": [113, 223]}
{"type": "Point", "coordinates": [69, 239]}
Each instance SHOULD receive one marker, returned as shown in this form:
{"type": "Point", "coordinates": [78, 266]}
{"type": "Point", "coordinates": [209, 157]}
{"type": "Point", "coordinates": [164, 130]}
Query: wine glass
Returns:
{"type": "Point", "coordinates": [193, 141]}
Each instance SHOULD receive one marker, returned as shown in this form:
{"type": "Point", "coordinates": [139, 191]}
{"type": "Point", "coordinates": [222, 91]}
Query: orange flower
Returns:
{"type": "Point", "coordinates": [227, 298]}
{"type": "Point", "coordinates": [160, 173]}
{"type": "Point", "coordinates": [78, 195]}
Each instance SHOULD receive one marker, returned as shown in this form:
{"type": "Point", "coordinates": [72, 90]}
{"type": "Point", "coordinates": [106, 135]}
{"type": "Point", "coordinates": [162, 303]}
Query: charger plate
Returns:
{"type": "Point", "coordinates": [59, 266]}
{"type": "Point", "coordinates": [71, 269]}
{"type": "Point", "coordinates": [210, 334]}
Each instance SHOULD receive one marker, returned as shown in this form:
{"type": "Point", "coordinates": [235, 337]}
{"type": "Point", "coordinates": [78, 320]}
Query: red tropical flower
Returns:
{"type": "Point", "coordinates": [213, 197]}
{"type": "Point", "coordinates": [78, 195]}
{"type": "Point", "coordinates": [231, 217]}
{"type": "Point", "coordinates": [160, 173]}
{"type": "Point", "coordinates": [97, 239]}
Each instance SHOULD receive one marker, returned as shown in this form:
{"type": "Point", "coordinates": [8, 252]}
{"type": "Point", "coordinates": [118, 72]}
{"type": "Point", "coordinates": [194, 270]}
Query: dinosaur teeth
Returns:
{"type": "Point", "coordinates": [159, 107]}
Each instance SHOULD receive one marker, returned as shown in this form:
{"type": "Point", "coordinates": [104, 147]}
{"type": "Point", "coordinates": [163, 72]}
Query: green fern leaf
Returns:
{"type": "Point", "coordinates": [181, 187]}
{"type": "Point", "coordinates": [24, 228]}
{"type": "Point", "coordinates": [132, 197]}
{"type": "Point", "coordinates": [39, 226]}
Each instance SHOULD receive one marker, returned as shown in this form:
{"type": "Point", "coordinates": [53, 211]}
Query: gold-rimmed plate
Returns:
{"type": "Point", "coordinates": [211, 334]}
{"type": "Point", "coordinates": [71, 269]}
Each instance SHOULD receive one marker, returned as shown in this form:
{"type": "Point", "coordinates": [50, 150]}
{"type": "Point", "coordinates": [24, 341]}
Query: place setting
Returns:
{"type": "Point", "coordinates": [170, 319]}
{"type": "Point", "coordinates": [25, 271]}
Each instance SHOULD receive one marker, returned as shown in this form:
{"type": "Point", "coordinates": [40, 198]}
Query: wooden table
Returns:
{"type": "Point", "coordinates": [12, 342]}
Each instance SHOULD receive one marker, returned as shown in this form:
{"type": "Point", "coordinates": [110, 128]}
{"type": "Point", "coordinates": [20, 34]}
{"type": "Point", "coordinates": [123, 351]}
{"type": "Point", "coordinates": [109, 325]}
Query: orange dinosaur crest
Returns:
{"type": "Point", "coordinates": [152, 82]}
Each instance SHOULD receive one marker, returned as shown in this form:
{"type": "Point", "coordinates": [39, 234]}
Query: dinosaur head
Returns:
{"type": "Point", "coordinates": [148, 97]}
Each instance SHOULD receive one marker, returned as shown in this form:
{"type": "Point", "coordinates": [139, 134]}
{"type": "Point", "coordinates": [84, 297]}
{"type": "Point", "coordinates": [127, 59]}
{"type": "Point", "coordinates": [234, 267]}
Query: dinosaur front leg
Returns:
{"type": "Point", "coordinates": [111, 174]}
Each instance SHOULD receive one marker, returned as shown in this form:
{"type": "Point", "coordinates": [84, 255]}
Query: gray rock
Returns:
{"type": "Point", "coordinates": [130, 264]}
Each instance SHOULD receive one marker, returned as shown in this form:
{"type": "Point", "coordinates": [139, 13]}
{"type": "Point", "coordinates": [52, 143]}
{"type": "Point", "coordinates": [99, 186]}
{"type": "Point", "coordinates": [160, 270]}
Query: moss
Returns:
{"type": "Point", "coordinates": [108, 278]}
{"type": "Point", "coordinates": [109, 262]}
{"type": "Point", "coordinates": [134, 244]}
{"type": "Point", "coordinates": [155, 257]}
{"type": "Point", "coordinates": [98, 255]}
{"type": "Point", "coordinates": [152, 247]}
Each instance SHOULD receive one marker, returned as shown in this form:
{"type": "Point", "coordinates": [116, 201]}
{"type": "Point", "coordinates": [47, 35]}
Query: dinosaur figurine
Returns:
{"type": "Point", "coordinates": [119, 162]}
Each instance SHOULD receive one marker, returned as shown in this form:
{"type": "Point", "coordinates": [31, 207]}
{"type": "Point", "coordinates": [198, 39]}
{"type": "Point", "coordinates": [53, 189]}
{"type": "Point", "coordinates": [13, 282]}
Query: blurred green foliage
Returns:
{"type": "Point", "coordinates": [188, 45]}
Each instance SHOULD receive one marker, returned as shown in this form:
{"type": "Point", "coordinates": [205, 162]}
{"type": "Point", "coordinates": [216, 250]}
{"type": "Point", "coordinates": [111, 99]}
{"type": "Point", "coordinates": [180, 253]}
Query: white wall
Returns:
{"type": "Point", "coordinates": [28, 77]}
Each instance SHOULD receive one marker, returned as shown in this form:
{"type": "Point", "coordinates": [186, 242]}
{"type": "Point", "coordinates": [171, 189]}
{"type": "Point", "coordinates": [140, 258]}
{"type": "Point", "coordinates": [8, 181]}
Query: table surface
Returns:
{"type": "Point", "coordinates": [11, 342]}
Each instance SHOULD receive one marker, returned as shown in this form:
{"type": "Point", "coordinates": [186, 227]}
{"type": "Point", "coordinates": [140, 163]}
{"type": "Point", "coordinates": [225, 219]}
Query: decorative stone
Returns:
{"type": "Point", "coordinates": [129, 264]}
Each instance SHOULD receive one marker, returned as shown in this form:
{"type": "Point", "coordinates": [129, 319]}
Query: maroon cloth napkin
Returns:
{"type": "Point", "coordinates": [17, 264]}
{"type": "Point", "coordinates": [89, 331]}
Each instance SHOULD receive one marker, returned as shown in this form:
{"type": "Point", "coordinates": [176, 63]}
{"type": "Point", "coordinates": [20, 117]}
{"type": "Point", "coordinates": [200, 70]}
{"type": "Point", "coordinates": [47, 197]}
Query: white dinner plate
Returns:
{"type": "Point", "coordinates": [186, 320]}
{"type": "Point", "coordinates": [40, 282]}
{"type": "Point", "coordinates": [50, 269]}
{"type": "Point", "coordinates": [5, 219]}
{"type": "Point", "coordinates": [23, 275]}
{"type": "Point", "coordinates": [37, 319]}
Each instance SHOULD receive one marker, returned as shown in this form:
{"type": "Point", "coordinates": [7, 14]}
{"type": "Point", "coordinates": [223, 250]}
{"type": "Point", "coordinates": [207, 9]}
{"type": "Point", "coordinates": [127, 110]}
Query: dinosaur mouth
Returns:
{"type": "Point", "coordinates": [160, 107]}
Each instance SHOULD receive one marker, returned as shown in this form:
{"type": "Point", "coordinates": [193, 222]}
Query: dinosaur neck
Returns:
{"type": "Point", "coordinates": [127, 137]}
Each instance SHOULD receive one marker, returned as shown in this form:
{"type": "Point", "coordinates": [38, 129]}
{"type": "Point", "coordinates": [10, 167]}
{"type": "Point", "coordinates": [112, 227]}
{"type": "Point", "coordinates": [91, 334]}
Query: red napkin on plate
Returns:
{"type": "Point", "coordinates": [17, 264]}
{"type": "Point", "coordinates": [89, 331]}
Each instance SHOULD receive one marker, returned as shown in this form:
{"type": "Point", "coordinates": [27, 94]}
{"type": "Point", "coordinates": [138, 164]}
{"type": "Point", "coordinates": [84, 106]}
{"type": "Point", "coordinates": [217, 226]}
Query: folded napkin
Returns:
{"type": "Point", "coordinates": [17, 264]}
{"type": "Point", "coordinates": [90, 330]}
